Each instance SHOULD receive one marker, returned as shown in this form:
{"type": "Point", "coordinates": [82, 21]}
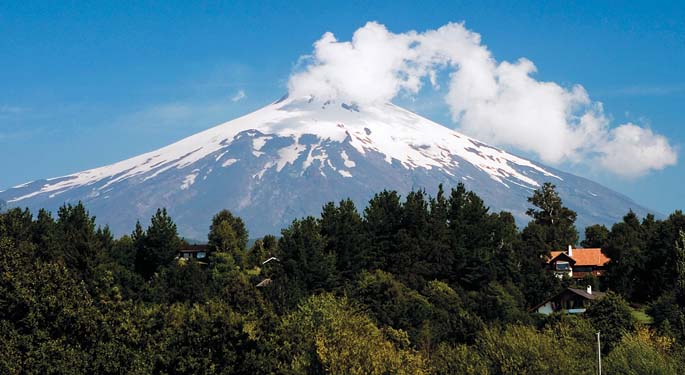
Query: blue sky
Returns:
{"type": "Point", "coordinates": [83, 85]}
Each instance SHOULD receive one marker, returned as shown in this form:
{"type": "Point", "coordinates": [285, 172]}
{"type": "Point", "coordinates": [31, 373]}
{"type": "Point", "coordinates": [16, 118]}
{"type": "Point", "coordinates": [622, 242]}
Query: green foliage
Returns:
{"type": "Point", "coordinates": [680, 268]}
{"type": "Point", "coordinates": [612, 317]}
{"type": "Point", "coordinates": [642, 353]}
{"type": "Point", "coordinates": [420, 285]}
{"type": "Point", "coordinates": [183, 281]}
{"type": "Point", "coordinates": [262, 250]}
{"type": "Point", "coordinates": [341, 226]}
{"type": "Point", "coordinates": [500, 303]}
{"type": "Point", "coordinates": [669, 317]}
{"type": "Point", "coordinates": [392, 303]}
{"type": "Point", "coordinates": [524, 350]}
{"type": "Point", "coordinates": [207, 339]}
{"type": "Point", "coordinates": [450, 319]}
{"type": "Point", "coordinates": [458, 359]}
{"type": "Point", "coordinates": [537, 283]}
{"type": "Point", "coordinates": [157, 246]}
{"type": "Point", "coordinates": [595, 236]}
{"type": "Point", "coordinates": [556, 219]}
{"type": "Point", "coordinates": [331, 335]}
{"type": "Point", "coordinates": [227, 234]}
{"type": "Point", "coordinates": [381, 223]}
{"type": "Point", "coordinates": [308, 266]}
{"type": "Point", "coordinates": [80, 245]}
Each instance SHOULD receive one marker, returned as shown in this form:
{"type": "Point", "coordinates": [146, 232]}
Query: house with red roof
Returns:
{"type": "Point", "coordinates": [577, 263]}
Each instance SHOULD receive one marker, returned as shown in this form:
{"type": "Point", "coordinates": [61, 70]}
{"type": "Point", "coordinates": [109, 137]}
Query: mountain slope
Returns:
{"type": "Point", "coordinates": [289, 158]}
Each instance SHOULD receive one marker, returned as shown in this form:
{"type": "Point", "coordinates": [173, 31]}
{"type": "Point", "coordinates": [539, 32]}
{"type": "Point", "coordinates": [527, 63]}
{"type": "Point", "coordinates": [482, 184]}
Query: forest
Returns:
{"type": "Point", "coordinates": [422, 284]}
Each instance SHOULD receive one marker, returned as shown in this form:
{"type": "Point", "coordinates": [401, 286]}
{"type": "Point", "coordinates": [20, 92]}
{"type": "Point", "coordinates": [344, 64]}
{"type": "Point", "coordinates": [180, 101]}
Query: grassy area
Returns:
{"type": "Point", "coordinates": [641, 315]}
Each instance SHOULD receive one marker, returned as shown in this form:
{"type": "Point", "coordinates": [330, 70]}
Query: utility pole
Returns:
{"type": "Point", "coordinates": [599, 355]}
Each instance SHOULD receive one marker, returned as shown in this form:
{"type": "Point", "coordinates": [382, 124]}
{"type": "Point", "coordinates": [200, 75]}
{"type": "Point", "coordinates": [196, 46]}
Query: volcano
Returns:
{"type": "Point", "coordinates": [288, 159]}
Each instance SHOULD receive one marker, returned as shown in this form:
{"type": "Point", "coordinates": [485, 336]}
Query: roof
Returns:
{"type": "Point", "coordinates": [561, 256]}
{"type": "Point", "coordinates": [193, 249]}
{"type": "Point", "coordinates": [270, 259]}
{"type": "Point", "coordinates": [585, 294]}
{"type": "Point", "coordinates": [581, 292]}
{"type": "Point", "coordinates": [584, 257]}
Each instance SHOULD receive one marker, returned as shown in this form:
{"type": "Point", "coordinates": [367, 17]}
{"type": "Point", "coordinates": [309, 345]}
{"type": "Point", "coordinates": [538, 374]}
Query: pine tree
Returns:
{"type": "Point", "coordinates": [45, 235]}
{"type": "Point", "coordinates": [158, 246]}
{"type": "Point", "coordinates": [680, 269]}
{"type": "Point", "coordinates": [342, 228]}
{"type": "Point", "coordinates": [625, 249]}
{"type": "Point", "coordinates": [471, 239]}
{"type": "Point", "coordinates": [306, 262]}
{"type": "Point", "coordinates": [595, 236]}
{"type": "Point", "coordinates": [557, 220]}
{"type": "Point", "coordinates": [237, 226]}
{"type": "Point", "coordinates": [382, 221]}
{"type": "Point", "coordinates": [437, 254]}
{"type": "Point", "coordinates": [408, 261]}
{"type": "Point", "coordinates": [80, 246]}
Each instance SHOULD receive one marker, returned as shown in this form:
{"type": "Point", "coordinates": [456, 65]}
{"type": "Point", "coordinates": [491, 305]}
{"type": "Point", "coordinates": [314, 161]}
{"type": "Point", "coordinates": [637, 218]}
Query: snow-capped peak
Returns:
{"type": "Point", "coordinates": [399, 135]}
{"type": "Point", "coordinates": [289, 158]}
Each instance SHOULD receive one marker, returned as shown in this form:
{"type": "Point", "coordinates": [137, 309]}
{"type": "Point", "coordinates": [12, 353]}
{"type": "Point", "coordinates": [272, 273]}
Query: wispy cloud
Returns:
{"type": "Point", "coordinates": [497, 101]}
{"type": "Point", "coordinates": [240, 95]}
{"type": "Point", "coordinates": [7, 110]}
{"type": "Point", "coordinates": [181, 115]}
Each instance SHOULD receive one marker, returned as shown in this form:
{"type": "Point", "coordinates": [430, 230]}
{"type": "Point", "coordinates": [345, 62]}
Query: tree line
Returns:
{"type": "Point", "coordinates": [420, 284]}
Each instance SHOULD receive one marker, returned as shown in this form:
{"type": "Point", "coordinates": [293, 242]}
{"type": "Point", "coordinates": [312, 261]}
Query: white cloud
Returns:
{"type": "Point", "coordinates": [634, 151]}
{"type": "Point", "coordinates": [498, 102]}
{"type": "Point", "coordinates": [240, 95]}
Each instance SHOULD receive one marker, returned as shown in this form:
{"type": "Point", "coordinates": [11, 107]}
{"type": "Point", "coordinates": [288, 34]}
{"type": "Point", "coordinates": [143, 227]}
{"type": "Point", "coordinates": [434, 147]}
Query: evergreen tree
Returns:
{"type": "Point", "coordinates": [536, 282]}
{"type": "Point", "coordinates": [382, 221]}
{"type": "Point", "coordinates": [437, 255]}
{"type": "Point", "coordinates": [472, 239]}
{"type": "Point", "coordinates": [680, 269]}
{"type": "Point", "coordinates": [158, 246]}
{"type": "Point", "coordinates": [80, 246]}
{"type": "Point", "coordinates": [219, 237]}
{"type": "Point", "coordinates": [16, 224]}
{"type": "Point", "coordinates": [557, 220]}
{"type": "Point", "coordinates": [625, 249]}
{"type": "Point", "coordinates": [262, 250]}
{"type": "Point", "coordinates": [595, 236]}
{"type": "Point", "coordinates": [44, 235]}
{"type": "Point", "coordinates": [342, 228]}
{"type": "Point", "coordinates": [309, 267]}
{"type": "Point", "coordinates": [408, 261]}
{"type": "Point", "coordinates": [612, 317]}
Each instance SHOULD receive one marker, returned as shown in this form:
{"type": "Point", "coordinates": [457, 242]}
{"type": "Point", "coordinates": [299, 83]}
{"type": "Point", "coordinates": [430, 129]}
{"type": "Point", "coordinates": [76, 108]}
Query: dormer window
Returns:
{"type": "Point", "coordinates": [563, 266]}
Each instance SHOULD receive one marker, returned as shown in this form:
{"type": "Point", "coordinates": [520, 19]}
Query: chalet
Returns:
{"type": "Point", "coordinates": [577, 263]}
{"type": "Point", "coordinates": [571, 301]}
{"type": "Point", "coordinates": [198, 252]}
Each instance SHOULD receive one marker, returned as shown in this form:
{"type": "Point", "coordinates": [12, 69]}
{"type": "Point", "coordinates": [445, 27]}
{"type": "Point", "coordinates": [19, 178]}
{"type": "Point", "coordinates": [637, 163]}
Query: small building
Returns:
{"type": "Point", "coordinates": [571, 301]}
{"type": "Point", "coordinates": [577, 263]}
{"type": "Point", "coordinates": [198, 252]}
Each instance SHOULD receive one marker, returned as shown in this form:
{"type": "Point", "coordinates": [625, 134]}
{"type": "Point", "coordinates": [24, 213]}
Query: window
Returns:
{"type": "Point", "coordinates": [583, 269]}
{"type": "Point", "coordinates": [563, 266]}
{"type": "Point", "coordinates": [186, 255]}
{"type": "Point", "coordinates": [201, 254]}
